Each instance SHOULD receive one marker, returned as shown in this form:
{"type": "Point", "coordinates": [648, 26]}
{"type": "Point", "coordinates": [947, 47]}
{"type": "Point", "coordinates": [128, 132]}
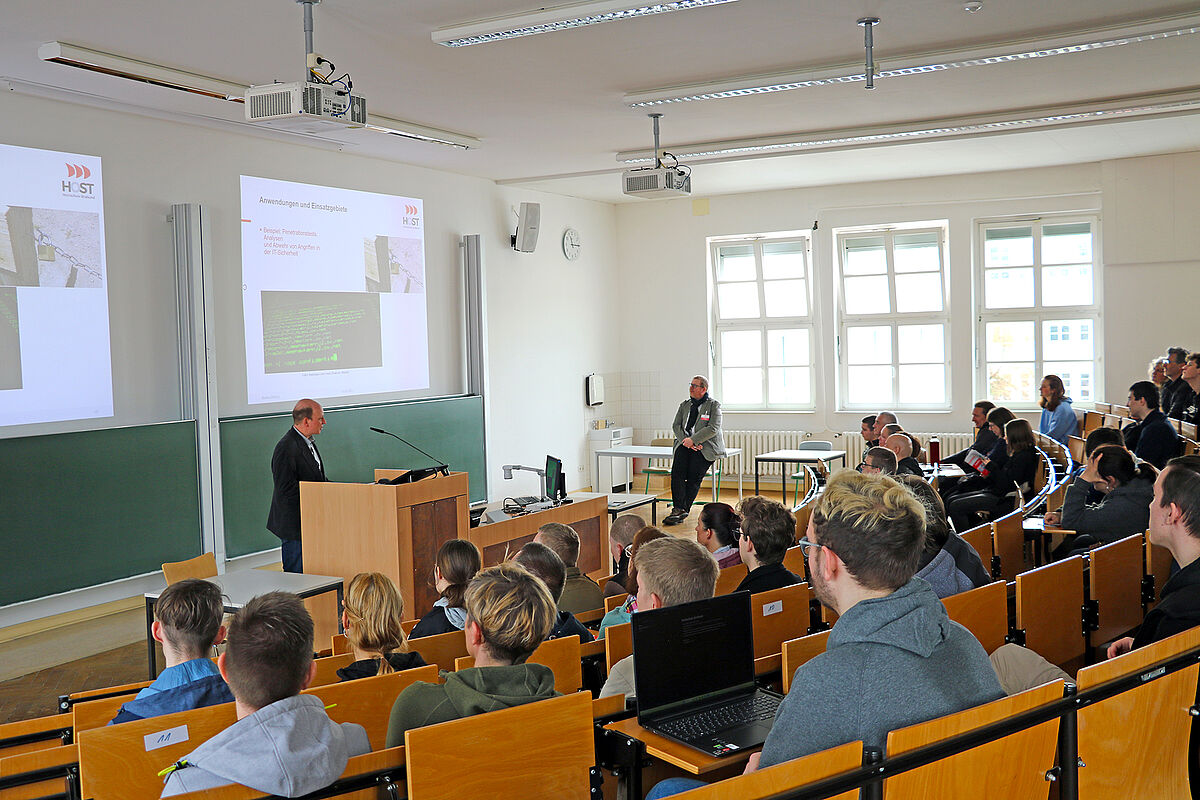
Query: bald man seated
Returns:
{"type": "Point", "coordinates": [901, 445]}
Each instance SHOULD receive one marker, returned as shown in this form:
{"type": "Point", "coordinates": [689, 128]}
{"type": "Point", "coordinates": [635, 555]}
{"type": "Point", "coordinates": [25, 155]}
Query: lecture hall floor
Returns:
{"type": "Point", "coordinates": [31, 681]}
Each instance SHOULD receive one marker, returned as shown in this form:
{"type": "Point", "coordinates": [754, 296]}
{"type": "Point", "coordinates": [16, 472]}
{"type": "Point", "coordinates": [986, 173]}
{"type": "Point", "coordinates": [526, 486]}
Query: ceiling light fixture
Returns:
{"type": "Point", "coordinates": [943, 129]}
{"type": "Point", "coordinates": [157, 75]}
{"type": "Point", "coordinates": [916, 64]}
{"type": "Point", "coordinates": [557, 18]}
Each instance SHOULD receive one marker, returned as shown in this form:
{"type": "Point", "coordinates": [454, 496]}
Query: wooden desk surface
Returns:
{"type": "Point", "coordinates": [674, 753]}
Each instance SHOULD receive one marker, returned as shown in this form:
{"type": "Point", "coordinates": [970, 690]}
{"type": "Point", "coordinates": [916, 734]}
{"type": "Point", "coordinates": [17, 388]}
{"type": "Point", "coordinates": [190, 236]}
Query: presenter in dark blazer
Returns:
{"type": "Point", "coordinates": [295, 459]}
{"type": "Point", "coordinates": [698, 444]}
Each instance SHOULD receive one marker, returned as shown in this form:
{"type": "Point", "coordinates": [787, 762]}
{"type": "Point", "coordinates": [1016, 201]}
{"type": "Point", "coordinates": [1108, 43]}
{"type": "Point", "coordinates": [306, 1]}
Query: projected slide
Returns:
{"type": "Point", "coordinates": [333, 292]}
{"type": "Point", "coordinates": [54, 345]}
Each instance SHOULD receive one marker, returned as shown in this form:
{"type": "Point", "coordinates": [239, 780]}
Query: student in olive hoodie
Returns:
{"type": "Point", "coordinates": [509, 613]}
{"type": "Point", "coordinates": [283, 742]}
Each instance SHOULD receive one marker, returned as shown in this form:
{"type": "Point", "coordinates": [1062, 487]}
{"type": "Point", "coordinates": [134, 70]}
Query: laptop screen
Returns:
{"type": "Point", "coordinates": [692, 651]}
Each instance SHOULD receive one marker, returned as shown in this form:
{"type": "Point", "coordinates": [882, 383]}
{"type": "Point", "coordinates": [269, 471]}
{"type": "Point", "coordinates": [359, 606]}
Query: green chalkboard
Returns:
{"type": "Point", "coordinates": [79, 509]}
{"type": "Point", "coordinates": [449, 428]}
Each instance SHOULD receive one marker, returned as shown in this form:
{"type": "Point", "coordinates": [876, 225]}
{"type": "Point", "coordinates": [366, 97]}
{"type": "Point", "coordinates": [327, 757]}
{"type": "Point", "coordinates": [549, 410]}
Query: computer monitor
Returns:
{"type": "Point", "coordinates": [555, 482]}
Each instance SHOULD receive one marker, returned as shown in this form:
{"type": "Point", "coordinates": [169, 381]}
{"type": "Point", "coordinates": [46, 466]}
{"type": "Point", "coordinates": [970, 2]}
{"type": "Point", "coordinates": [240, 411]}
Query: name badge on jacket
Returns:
{"type": "Point", "coordinates": [704, 417]}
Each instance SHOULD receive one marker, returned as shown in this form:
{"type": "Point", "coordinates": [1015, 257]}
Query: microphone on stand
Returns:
{"type": "Point", "coordinates": [417, 474]}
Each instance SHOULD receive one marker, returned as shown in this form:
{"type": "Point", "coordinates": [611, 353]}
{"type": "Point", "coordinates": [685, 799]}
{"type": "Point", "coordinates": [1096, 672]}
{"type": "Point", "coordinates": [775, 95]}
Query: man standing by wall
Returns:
{"type": "Point", "coordinates": [295, 459]}
{"type": "Point", "coordinates": [698, 444]}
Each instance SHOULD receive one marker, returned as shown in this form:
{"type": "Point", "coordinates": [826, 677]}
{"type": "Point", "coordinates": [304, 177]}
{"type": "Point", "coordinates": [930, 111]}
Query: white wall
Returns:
{"type": "Point", "coordinates": [543, 312]}
{"type": "Point", "coordinates": [1147, 210]}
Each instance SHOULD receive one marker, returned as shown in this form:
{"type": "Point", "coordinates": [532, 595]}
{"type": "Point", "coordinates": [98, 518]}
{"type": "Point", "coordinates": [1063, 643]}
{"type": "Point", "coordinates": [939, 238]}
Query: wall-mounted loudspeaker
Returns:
{"type": "Point", "coordinates": [528, 222]}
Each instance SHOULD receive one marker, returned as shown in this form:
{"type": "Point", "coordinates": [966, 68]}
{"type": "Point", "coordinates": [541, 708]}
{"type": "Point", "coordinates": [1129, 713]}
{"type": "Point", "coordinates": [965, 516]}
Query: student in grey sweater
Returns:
{"type": "Point", "coordinates": [283, 742]}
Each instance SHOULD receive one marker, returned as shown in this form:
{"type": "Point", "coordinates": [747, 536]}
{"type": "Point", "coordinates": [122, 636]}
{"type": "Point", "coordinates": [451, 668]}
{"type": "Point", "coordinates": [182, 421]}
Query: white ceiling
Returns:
{"type": "Point", "coordinates": [551, 105]}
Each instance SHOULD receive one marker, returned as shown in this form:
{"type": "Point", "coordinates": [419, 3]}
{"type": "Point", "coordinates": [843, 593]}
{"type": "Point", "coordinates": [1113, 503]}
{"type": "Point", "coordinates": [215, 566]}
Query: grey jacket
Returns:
{"type": "Point", "coordinates": [1123, 512]}
{"type": "Point", "coordinates": [288, 748]}
{"type": "Point", "coordinates": [890, 662]}
{"type": "Point", "coordinates": [707, 432]}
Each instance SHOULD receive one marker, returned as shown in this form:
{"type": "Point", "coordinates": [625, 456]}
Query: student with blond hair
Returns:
{"type": "Point", "coordinates": [371, 615]}
{"type": "Point", "coordinates": [509, 613]}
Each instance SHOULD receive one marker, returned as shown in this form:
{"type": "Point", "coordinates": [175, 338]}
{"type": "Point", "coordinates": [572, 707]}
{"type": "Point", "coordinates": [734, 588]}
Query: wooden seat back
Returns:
{"type": "Point", "coordinates": [1049, 610]}
{"type": "Point", "coordinates": [327, 668]}
{"type": "Point", "coordinates": [980, 539]}
{"type": "Point", "coordinates": [798, 651]}
{"type": "Point", "coordinates": [96, 694]}
{"type": "Point", "coordinates": [729, 578]}
{"type": "Point", "coordinates": [1076, 445]}
{"type": "Point", "coordinates": [614, 601]}
{"type": "Point", "coordinates": [33, 762]}
{"type": "Point", "coordinates": [114, 763]}
{"type": "Point", "coordinates": [793, 560]}
{"type": "Point", "coordinates": [560, 655]}
{"type": "Point", "coordinates": [1013, 766]}
{"type": "Point", "coordinates": [1091, 421]}
{"type": "Point", "coordinates": [202, 566]}
{"type": "Point", "coordinates": [392, 760]}
{"type": "Point", "coordinates": [340, 645]}
{"type": "Point", "coordinates": [618, 643]}
{"type": "Point", "coordinates": [408, 625]}
{"type": "Point", "coordinates": [587, 618]}
{"type": "Point", "coordinates": [802, 514]}
{"type": "Point", "coordinates": [474, 759]}
{"type": "Point", "coordinates": [15, 737]}
{"type": "Point", "coordinates": [1135, 744]}
{"type": "Point", "coordinates": [1115, 582]}
{"type": "Point", "coordinates": [1008, 540]}
{"type": "Point", "coordinates": [368, 701]}
{"type": "Point", "coordinates": [779, 778]}
{"type": "Point", "coordinates": [441, 649]}
{"type": "Point", "coordinates": [778, 615]}
{"type": "Point", "coordinates": [1120, 411]}
{"type": "Point", "coordinates": [1157, 565]}
{"type": "Point", "coordinates": [1103, 408]}
{"type": "Point", "coordinates": [982, 611]}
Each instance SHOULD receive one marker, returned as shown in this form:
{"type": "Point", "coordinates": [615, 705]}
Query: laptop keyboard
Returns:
{"type": "Point", "coordinates": [706, 723]}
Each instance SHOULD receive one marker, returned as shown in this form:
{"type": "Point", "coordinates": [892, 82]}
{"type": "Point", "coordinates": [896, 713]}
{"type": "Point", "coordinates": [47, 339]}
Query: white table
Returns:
{"type": "Point", "coordinates": [243, 586]}
{"type": "Point", "coordinates": [632, 451]}
{"type": "Point", "coordinates": [795, 457]}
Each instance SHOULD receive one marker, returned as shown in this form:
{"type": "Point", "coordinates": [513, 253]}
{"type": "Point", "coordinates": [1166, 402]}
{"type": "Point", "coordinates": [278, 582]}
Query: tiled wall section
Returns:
{"type": "Point", "coordinates": [635, 399]}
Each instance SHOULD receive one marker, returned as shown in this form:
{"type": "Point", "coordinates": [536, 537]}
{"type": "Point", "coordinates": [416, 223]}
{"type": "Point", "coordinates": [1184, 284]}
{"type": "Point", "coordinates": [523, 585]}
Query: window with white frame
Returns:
{"type": "Point", "coordinates": [1039, 308]}
{"type": "Point", "coordinates": [894, 324]}
{"type": "Point", "coordinates": [762, 323]}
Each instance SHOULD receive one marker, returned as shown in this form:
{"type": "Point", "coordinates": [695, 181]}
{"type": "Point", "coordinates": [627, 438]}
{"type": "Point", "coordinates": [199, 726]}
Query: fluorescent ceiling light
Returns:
{"type": "Point", "coordinates": [157, 75]}
{"type": "Point", "coordinates": [733, 150]}
{"type": "Point", "coordinates": [920, 63]}
{"type": "Point", "coordinates": [557, 18]}
{"type": "Point", "coordinates": [143, 71]}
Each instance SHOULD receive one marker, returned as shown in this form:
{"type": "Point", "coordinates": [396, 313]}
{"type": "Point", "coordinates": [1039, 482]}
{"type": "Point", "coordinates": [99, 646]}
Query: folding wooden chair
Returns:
{"type": "Point", "coordinates": [474, 758]}
{"type": "Point", "coordinates": [776, 616]}
{"type": "Point", "coordinates": [1136, 743]}
{"type": "Point", "coordinates": [618, 643]}
{"type": "Point", "coordinates": [560, 655]}
{"type": "Point", "coordinates": [779, 778]}
{"type": "Point", "coordinates": [1013, 766]}
{"type": "Point", "coordinates": [202, 566]}
{"type": "Point", "coordinates": [441, 649]}
{"type": "Point", "coordinates": [799, 651]}
{"type": "Point", "coordinates": [1115, 585]}
{"type": "Point", "coordinates": [980, 539]}
{"type": "Point", "coordinates": [1049, 612]}
{"type": "Point", "coordinates": [729, 578]}
{"type": "Point", "coordinates": [1158, 569]}
{"type": "Point", "coordinates": [1008, 539]}
{"type": "Point", "coordinates": [982, 611]}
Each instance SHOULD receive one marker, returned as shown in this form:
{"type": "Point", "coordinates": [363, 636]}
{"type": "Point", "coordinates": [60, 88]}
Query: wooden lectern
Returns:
{"type": "Point", "coordinates": [348, 528]}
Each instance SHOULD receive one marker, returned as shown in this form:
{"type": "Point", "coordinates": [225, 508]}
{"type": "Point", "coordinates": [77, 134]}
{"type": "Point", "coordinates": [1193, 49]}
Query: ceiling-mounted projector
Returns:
{"type": "Point", "coordinates": [659, 180]}
{"type": "Point", "coordinates": [305, 106]}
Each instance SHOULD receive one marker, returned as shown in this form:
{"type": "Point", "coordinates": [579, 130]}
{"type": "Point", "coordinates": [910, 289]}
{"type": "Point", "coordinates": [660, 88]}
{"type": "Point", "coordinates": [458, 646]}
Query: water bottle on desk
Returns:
{"type": "Point", "coordinates": [935, 451]}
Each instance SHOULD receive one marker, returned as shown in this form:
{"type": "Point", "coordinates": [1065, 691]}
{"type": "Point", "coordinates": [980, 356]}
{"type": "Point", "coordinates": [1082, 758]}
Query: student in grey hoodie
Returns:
{"type": "Point", "coordinates": [893, 657]}
{"type": "Point", "coordinates": [509, 613]}
{"type": "Point", "coordinates": [283, 742]}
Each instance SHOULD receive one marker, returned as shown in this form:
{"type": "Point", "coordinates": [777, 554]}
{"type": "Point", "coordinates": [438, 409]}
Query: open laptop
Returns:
{"type": "Point", "coordinates": [694, 675]}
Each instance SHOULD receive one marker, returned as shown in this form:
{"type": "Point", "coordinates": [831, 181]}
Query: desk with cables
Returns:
{"type": "Point", "coordinates": [587, 515]}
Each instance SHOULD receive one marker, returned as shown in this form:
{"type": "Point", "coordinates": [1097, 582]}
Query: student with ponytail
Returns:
{"type": "Point", "coordinates": [371, 616]}
{"type": "Point", "coordinates": [457, 562]}
{"type": "Point", "coordinates": [718, 529]}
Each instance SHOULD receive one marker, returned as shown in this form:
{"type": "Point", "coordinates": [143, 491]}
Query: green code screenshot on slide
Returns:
{"type": "Point", "coordinates": [333, 291]}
